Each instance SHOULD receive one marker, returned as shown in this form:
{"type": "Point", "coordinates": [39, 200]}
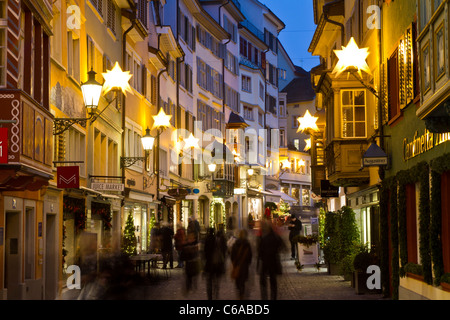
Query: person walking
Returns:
{"type": "Point", "coordinates": [180, 239]}
{"type": "Point", "coordinates": [190, 256]}
{"type": "Point", "coordinates": [167, 245]}
{"type": "Point", "coordinates": [241, 257]}
{"type": "Point", "coordinates": [215, 252]}
{"type": "Point", "coordinates": [295, 227]}
{"type": "Point", "coordinates": [269, 246]}
{"type": "Point", "coordinates": [194, 227]}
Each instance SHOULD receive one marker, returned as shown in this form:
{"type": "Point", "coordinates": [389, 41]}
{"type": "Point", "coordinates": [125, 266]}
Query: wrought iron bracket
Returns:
{"type": "Point", "coordinates": [60, 125]}
{"type": "Point", "coordinates": [126, 162]}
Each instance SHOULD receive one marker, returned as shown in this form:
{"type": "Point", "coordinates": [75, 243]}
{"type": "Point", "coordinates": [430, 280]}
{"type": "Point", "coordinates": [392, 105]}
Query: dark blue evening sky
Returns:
{"type": "Point", "coordinates": [298, 17]}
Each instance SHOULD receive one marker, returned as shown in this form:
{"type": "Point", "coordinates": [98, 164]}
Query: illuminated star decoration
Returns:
{"type": "Point", "coordinates": [351, 57]}
{"type": "Point", "coordinates": [307, 122]}
{"type": "Point", "coordinates": [191, 142]}
{"type": "Point", "coordinates": [116, 79]}
{"type": "Point", "coordinates": [308, 144]}
{"type": "Point", "coordinates": [285, 164]}
{"type": "Point", "coordinates": [161, 120]}
{"type": "Point", "coordinates": [302, 163]}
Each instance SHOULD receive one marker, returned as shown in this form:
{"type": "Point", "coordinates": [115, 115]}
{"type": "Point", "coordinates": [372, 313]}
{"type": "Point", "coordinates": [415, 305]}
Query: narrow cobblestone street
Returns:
{"type": "Point", "coordinates": [309, 284]}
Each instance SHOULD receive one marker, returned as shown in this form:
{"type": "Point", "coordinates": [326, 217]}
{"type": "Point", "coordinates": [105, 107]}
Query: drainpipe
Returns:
{"type": "Point", "coordinates": [340, 25]}
{"type": "Point", "coordinates": [381, 171]}
{"type": "Point", "coordinates": [132, 16]}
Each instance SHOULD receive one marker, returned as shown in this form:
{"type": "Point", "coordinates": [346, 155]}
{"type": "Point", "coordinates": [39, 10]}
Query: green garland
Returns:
{"type": "Point", "coordinates": [423, 173]}
{"type": "Point", "coordinates": [215, 201]}
{"type": "Point", "coordinates": [386, 185]}
{"type": "Point", "coordinates": [393, 210]}
{"type": "Point", "coordinates": [404, 178]}
{"type": "Point", "coordinates": [438, 167]}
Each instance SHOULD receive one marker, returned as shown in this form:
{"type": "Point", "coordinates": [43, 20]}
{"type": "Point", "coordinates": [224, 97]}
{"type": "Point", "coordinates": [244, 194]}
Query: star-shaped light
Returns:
{"type": "Point", "coordinates": [116, 79]}
{"type": "Point", "coordinates": [301, 163]}
{"type": "Point", "coordinates": [307, 122]}
{"type": "Point", "coordinates": [352, 57]}
{"type": "Point", "coordinates": [191, 142]}
{"type": "Point", "coordinates": [308, 144]}
{"type": "Point", "coordinates": [285, 164]}
{"type": "Point", "coordinates": [161, 120]}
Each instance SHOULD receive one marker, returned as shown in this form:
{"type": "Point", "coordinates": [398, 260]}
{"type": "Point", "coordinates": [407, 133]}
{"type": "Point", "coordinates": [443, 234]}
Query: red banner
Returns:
{"type": "Point", "coordinates": [68, 177]}
{"type": "Point", "coordinates": [3, 145]}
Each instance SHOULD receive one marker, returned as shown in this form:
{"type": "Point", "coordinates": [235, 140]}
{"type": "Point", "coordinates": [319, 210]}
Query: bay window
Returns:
{"type": "Point", "coordinates": [353, 104]}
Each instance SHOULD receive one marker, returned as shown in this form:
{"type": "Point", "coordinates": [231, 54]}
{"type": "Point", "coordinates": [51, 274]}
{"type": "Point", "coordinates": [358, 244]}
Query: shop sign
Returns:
{"type": "Point", "coordinates": [374, 156]}
{"type": "Point", "coordinates": [177, 193]}
{"type": "Point", "coordinates": [327, 190]}
{"type": "Point", "coordinates": [68, 177]}
{"type": "Point", "coordinates": [3, 145]}
{"type": "Point", "coordinates": [107, 186]}
{"type": "Point", "coordinates": [423, 143]}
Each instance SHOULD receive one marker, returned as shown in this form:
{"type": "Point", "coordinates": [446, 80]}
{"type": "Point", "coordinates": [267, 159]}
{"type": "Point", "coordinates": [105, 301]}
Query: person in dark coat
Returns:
{"type": "Point", "coordinates": [180, 239]}
{"type": "Point", "coordinates": [215, 252]}
{"type": "Point", "coordinates": [295, 227]}
{"type": "Point", "coordinates": [190, 256]}
{"type": "Point", "coordinates": [241, 257]}
{"type": "Point", "coordinates": [167, 246]}
{"type": "Point", "coordinates": [269, 246]}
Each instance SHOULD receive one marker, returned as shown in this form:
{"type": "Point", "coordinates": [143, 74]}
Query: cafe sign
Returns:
{"type": "Point", "coordinates": [423, 143]}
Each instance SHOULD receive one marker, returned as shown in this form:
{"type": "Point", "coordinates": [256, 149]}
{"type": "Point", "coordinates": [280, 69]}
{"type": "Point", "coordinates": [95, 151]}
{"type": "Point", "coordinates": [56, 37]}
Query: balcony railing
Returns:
{"type": "Point", "coordinates": [253, 29]}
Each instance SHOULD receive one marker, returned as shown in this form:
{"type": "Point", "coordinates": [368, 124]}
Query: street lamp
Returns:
{"type": "Point", "coordinates": [161, 121]}
{"type": "Point", "coordinates": [115, 80]}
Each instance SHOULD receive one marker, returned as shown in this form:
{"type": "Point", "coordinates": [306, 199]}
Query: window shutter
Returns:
{"type": "Point", "coordinates": [193, 38]}
{"type": "Point", "coordinates": [393, 85]}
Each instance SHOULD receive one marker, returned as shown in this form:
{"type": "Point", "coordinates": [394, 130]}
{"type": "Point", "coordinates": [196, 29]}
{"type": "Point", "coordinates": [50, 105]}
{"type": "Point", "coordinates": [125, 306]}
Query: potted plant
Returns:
{"type": "Point", "coordinates": [361, 262]}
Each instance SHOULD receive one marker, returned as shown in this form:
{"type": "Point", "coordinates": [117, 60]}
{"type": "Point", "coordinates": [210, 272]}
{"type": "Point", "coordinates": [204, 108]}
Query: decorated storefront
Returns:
{"type": "Point", "coordinates": [415, 213]}
{"type": "Point", "coordinates": [140, 218]}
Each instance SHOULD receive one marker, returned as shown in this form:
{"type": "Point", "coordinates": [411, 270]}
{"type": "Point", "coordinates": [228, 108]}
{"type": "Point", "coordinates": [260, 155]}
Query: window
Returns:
{"type": "Point", "coordinates": [440, 51]}
{"type": "Point", "coordinates": [271, 41]}
{"type": "Point", "coordinates": [232, 98]}
{"type": "Point", "coordinates": [231, 28]}
{"type": "Point", "coordinates": [186, 30]}
{"type": "Point", "coordinates": [353, 113]}
{"type": "Point", "coordinates": [185, 76]}
{"type": "Point", "coordinates": [72, 146]}
{"type": "Point", "coordinates": [261, 91]}
{"type": "Point", "coordinates": [73, 55]}
{"type": "Point", "coordinates": [260, 119]}
{"type": "Point", "coordinates": [232, 63]}
{"type": "Point", "coordinates": [426, 70]}
{"type": "Point", "coordinates": [142, 11]}
{"type": "Point", "coordinates": [248, 113]}
{"type": "Point", "coordinates": [281, 74]}
{"type": "Point", "coordinates": [201, 74]}
{"type": "Point", "coordinates": [297, 144]}
{"type": "Point", "coordinates": [295, 122]}
{"type": "Point", "coordinates": [282, 137]}
{"type": "Point", "coordinates": [98, 5]}
{"type": "Point", "coordinates": [246, 84]}
{"type": "Point", "coordinates": [271, 104]}
{"type": "Point", "coordinates": [111, 18]}
{"type": "Point", "coordinates": [211, 43]}
{"type": "Point", "coordinates": [281, 104]}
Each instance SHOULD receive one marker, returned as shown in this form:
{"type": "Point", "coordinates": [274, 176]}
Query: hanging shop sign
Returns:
{"type": "Point", "coordinates": [177, 193]}
{"type": "Point", "coordinates": [327, 190]}
{"type": "Point", "coordinates": [423, 143]}
{"type": "Point", "coordinates": [374, 157]}
{"type": "Point", "coordinates": [68, 177]}
{"type": "Point", "coordinates": [107, 186]}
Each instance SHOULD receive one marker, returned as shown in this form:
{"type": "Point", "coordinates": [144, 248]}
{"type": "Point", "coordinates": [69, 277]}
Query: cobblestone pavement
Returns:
{"type": "Point", "coordinates": [292, 284]}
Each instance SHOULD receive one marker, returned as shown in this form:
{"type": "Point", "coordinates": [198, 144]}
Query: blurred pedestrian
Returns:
{"type": "Point", "coordinates": [241, 257]}
{"type": "Point", "coordinates": [180, 239]}
{"type": "Point", "coordinates": [155, 245]}
{"type": "Point", "coordinates": [194, 227]}
{"type": "Point", "coordinates": [295, 227]}
{"type": "Point", "coordinates": [190, 256]}
{"type": "Point", "coordinates": [167, 245]}
{"type": "Point", "coordinates": [269, 246]}
{"type": "Point", "coordinates": [215, 252]}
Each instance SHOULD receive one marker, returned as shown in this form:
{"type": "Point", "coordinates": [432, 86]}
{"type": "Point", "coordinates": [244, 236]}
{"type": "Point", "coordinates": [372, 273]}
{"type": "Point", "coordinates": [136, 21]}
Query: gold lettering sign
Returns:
{"type": "Point", "coordinates": [423, 143]}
